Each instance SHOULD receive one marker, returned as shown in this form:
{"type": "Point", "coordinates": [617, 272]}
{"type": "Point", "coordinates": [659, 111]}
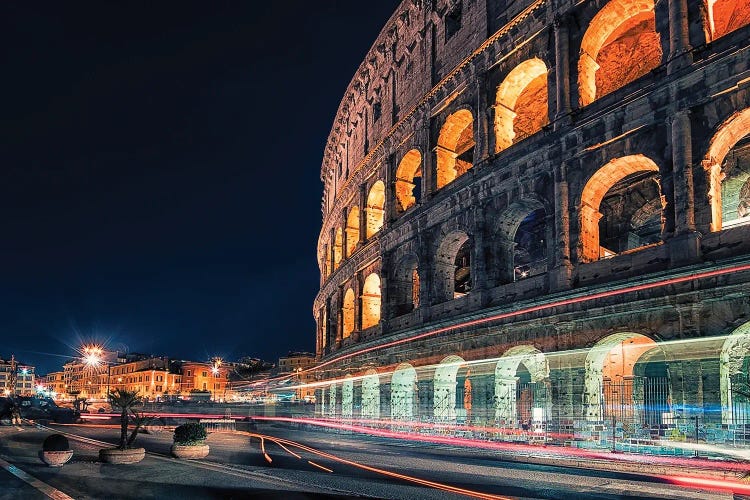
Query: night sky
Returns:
{"type": "Point", "coordinates": [161, 172]}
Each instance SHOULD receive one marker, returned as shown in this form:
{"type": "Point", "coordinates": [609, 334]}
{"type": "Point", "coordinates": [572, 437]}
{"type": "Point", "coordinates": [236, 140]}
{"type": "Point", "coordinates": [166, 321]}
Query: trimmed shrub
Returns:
{"type": "Point", "coordinates": [56, 442]}
{"type": "Point", "coordinates": [191, 433]}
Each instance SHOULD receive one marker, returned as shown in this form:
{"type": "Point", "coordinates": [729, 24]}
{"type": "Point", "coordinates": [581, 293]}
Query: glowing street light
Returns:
{"type": "Point", "coordinates": [93, 358]}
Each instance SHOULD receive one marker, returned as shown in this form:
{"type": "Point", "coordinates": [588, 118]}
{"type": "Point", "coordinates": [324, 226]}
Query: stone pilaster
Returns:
{"type": "Point", "coordinates": [562, 71]}
{"type": "Point", "coordinates": [679, 36]}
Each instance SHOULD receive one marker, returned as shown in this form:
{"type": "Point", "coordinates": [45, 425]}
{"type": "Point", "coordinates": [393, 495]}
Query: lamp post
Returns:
{"type": "Point", "coordinates": [92, 358]}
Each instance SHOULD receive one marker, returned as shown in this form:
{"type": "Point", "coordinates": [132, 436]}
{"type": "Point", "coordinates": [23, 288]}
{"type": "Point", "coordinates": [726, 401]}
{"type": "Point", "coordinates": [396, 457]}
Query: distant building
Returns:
{"type": "Point", "coordinates": [24, 378]}
{"type": "Point", "coordinates": [149, 376]}
{"type": "Point", "coordinates": [84, 380]}
{"type": "Point", "coordinates": [299, 364]}
{"type": "Point", "coordinates": [55, 384]}
{"type": "Point", "coordinates": [205, 377]}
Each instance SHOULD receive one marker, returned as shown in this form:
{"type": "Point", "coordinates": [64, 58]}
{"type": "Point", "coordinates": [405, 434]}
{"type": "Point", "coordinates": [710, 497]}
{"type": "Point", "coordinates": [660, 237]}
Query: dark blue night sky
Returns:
{"type": "Point", "coordinates": [161, 166]}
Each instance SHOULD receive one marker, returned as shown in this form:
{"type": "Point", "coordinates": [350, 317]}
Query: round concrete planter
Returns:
{"type": "Point", "coordinates": [190, 452]}
{"type": "Point", "coordinates": [118, 456]}
{"type": "Point", "coordinates": [56, 458]}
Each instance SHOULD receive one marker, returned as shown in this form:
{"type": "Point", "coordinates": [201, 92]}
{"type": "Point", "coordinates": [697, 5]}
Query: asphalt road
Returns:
{"type": "Point", "coordinates": [331, 466]}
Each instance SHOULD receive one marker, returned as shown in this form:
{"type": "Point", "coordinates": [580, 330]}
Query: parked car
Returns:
{"type": "Point", "coordinates": [36, 408]}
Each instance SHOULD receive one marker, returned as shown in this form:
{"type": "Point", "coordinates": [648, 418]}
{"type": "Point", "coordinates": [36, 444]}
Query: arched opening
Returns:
{"type": "Point", "coordinates": [455, 147]}
{"type": "Point", "coordinates": [616, 389]}
{"type": "Point", "coordinates": [734, 374]}
{"type": "Point", "coordinates": [726, 16]}
{"type": "Point", "coordinates": [727, 166]}
{"type": "Point", "coordinates": [403, 391]}
{"type": "Point", "coordinates": [452, 391]}
{"type": "Point", "coordinates": [406, 286]}
{"type": "Point", "coordinates": [371, 395]}
{"type": "Point", "coordinates": [371, 301]}
{"type": "Point", "coordinates": [453, 266]}
{"type": "Point", "coordinates": [521, 395]}
{"type": "Point", "coordinates": [337, 249]}
{"type": "Point", "coordinates": [374, 210]}
{"type": "Point", "coordinates": [620, 45]}
{"type": "Point", "coordinates": [621, 208]}
{"type": "Point", "coordinates": [347, 397]}
{"type": "Point", "coordinates": [521, 235]}
{"type": "Point", "coordinates": [409, 180]}
{"type": "Point", "coordinates": [347, 313]}
{"type": "Point", "coordinates": [521, 104]}
{"type": "Point", "coordinates": [352, 230]}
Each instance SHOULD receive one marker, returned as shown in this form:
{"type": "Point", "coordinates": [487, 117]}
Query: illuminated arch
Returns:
{"type": "Point", "coordinates": [371, 394]}
{"type": "Point", "coordinates": [725, 16]}
{"type": "Point", "coordinates": [733, 363]}
{"type": "Point", "coordinates": [611, 359]}
{"type": "Point", "coordinates": [594, 192]}
{"type": "Point", "coordinates": [455, 147]}
{"type": "Point", "coordinates": [506, 381]}
{"type": "Point", "coordinates": [337, 249]}
{"type": "Point", "coordinates": [374, 210]}
{"type": "Point", "coordinates": [521, 103]}
{"type": "Point", "coordinates": [371, 301]}
{"type": "Point", "coordinates": [729, 134]}
{"type": "Point", "coordinates": [453, 266]}
{"type": "Point", "coordinates": [620, 45]}
{"type": "Point", "coordinates": [347, 313]}
{"type": "Point", "coordinates": [409, 170]}
{"type": "Point", "coordinates": [332, 403]}
{"type": "Point", "coordinates": [403, 389]}
{"type": "Point", "coordinates": [352, 230]}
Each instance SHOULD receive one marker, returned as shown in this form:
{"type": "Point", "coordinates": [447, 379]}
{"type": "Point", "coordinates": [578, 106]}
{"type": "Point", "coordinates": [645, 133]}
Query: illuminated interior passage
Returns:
{"type": "Point", "coordinates": [727, 16]}
{"type": "Point", "coordinates": [371, 301]}
{"type": "Point", "coordinates": [455, 147]}
{"type": "Point", "coordinates": [621, 208]}
{"type": "Point", "coordinates": [352, 230]}
{"type": "Point", "coordinates": [347, 313]}
{"type": "Point", "coordinates": [409, 180]}
{"type": "Point", "coordinates": [620, 45]}
{"type": "Point", "coordinates": [521, 103]}
{"type": "Point", "coordinates": [727, 165]}
{"type": "Point", "coordinates": [374, 210]}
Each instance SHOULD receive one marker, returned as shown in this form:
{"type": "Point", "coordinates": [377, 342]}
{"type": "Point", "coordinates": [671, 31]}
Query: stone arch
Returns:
{"type": "Point", "coordinates": [371, 301]}
{"type": "Point", "coordinates": [620, 45]}
{"type": "Point", "coordinates": [374, 210]}
{"type": "Point", "coordinates": [453, 266]}
{"type": "Point", "coordinates": [337, 249]}
{"type": "Point", "coordinates": [730, 133]}
{"type": "Point", "coordinates": [618, 173]}
{"type": "Point", "coordinates": [611, 359]}
{"type": "Point", "coordinates": [725, 16]}
{"type": "Point", "coordinates": [405, 285]}
{"type": "Point", "coordinates": [347, 313]}
{"type": "Point", "coordinates": [734, 383]}
{"type": "Point", "coordinates": [371, 394]}
{"type": "Point", "coordinates": [352, 231]}
{"type": "Point", "coordinates": [403, 391]}
{"type": "Point", "coordinates": [444, 388]}
{"type": "Point", "coordinates": [506, 381]}
{"type": "Point", "coordinates": [347, 397]}
{"type": "Point", "coordinates": [409, 180]}
{"type": "Point", "coordinates": [521, 103]}
{"type": "Point", "coordinates": [455, 147]}
{"type": "Point", "coordinates": [332, 401]}
{"type": "Point", "coordinates": [522, 234]}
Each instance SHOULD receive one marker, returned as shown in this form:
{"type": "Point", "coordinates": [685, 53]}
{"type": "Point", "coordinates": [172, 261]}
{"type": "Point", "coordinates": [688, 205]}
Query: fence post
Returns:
{"type": "Point", "coordinates": [696, 436]}
{"type": "Point", "coordinates": [614, 435]}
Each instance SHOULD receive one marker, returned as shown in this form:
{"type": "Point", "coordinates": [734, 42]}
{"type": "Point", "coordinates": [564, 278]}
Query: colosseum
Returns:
{"type": "Point", "coordinates": [535, 217]}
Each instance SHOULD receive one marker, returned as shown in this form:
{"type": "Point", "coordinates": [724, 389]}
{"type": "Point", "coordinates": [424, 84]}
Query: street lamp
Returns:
{"type": "Point", "coordinates": [92, 357]}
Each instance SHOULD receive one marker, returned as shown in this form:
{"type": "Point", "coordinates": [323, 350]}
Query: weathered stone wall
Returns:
{"type": "Point", "coordinates": [661, 123]}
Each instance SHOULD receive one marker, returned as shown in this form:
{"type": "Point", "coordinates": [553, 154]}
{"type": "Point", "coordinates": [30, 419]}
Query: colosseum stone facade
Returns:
{"type": "Point", "coordinates": [535, 213]}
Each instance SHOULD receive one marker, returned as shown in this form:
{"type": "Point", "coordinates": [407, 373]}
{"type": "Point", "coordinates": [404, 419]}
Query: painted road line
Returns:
{"type": "Point", "coordinates": [36, 483]}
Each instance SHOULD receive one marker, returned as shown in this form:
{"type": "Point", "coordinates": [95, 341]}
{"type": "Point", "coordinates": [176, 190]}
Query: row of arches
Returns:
{"type": "Point", "coordinates": [368, 312]}
{"type": "Point", "coordinates": [620, 45]}
{"type": "Point", "coordinates": [627, 376]}
{"type": "Point", "coordinates": [621, 208]}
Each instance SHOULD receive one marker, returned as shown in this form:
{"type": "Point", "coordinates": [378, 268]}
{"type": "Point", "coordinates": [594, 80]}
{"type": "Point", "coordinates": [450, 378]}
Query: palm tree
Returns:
{"type": "Point", "coordinates": [126, 401]}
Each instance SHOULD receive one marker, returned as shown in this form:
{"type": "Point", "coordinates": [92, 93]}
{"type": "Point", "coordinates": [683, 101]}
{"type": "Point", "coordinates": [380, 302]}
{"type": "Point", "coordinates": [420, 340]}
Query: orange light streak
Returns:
{"type": "Point", "coordinates": [317, 465]}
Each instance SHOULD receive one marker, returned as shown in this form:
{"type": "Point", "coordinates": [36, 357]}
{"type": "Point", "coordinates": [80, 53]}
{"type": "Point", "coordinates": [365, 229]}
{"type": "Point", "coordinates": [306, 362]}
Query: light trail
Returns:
{"type": "Point", "coordinates": [316, 465]}
{"type": "Point", "coordinates": [540, 307]}
{"type": "Point", "coordinates": [517, 447]}
{"type": "Point", "coordinates": [709, 483]}
{"type": "Point", "coordinates": [396, 475]}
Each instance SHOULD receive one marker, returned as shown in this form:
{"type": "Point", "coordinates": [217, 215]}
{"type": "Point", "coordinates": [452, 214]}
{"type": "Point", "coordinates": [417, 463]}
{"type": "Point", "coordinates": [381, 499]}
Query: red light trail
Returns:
{"type": "Point", "coordinates": [541, 307]}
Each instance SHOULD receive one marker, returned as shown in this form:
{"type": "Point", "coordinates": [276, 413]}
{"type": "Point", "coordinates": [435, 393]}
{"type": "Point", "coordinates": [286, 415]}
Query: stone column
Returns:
{"type": "Point", "coordinates": [562, 70]}
{"type": "Point", "coordinates": [345, 234]}
{"type": "Point", "coordinates": [333, 250]}
{"type": "Point", "coordinates": [340, 317]}
{"type": "Point", "coordinates": [445, 166]}
{"type": "Point", "coordinates": [359, 294]}
{"type": "Point", "coordinates": [362, 214]}
{"type": "Point", "coordinates": [390, 190]}
{"type": "Point", "coordinates": [561, 263]}
{"type": "Point", "coordinates": [679, 36]}
{"type": "Point", "coordinates": [481, 149]}
{"type": "Point", "coordinates": [428, 160]}
{"type": "Point", "coordinates": [479, 273]}
{"type": "Point", "coordinates": [685, 245]}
